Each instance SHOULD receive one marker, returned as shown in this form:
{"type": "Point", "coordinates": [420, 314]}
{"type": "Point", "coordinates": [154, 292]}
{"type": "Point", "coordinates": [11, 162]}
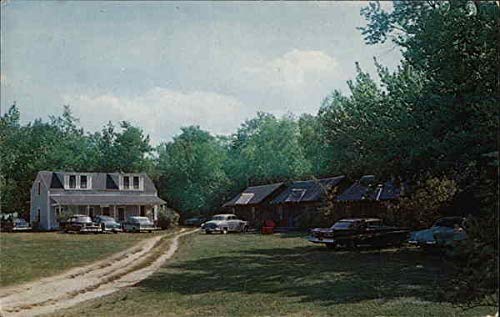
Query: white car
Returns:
{"type": "Point", "coordinates": [225, 223]}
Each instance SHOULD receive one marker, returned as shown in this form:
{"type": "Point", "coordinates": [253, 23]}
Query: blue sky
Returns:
{"type": "Point", "coordinates": [163, 65]}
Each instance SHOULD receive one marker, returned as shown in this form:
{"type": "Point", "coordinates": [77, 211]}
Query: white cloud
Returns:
{"type": "Point", "coordinates": [296, 68]}
{"type": "Point", "coordinates": [160, 111]}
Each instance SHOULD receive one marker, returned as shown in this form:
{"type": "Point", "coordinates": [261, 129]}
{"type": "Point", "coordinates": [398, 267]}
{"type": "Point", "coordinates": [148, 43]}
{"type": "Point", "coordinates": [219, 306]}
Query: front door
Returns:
{"type": "Point", "coordinates": [143, 211]}
{"type": "Point", "coordinates": [105, 211]}
{"type": "Point", "coordinates": [121, 214]}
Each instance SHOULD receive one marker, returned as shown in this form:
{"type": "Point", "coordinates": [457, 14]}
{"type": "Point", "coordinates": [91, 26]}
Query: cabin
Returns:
{"type": "Point", "coordinates": [301, 200]}
{"type": "Point", "coordinates": [119, 195]}
{"type": "Point", "coordinates": [369, 197]}
{"type": "Point", "coordinates": [252, 204]}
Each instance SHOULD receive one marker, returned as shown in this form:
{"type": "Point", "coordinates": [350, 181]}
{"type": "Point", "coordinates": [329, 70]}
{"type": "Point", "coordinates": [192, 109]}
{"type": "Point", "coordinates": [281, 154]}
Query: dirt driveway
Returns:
{"type": "Point", "coordinates": [95, 280]}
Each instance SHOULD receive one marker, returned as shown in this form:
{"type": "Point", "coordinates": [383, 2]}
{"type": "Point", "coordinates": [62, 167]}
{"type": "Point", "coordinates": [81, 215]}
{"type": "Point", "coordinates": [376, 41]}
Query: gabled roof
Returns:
{"type": "Point", "coordinates": [368, 189]}
{"type": "Point", "coordinates": [307, 191]}
{"type": "Point", "coordinates": [253, 195]}
{"type": "Point", "coordinates": [100, 181]}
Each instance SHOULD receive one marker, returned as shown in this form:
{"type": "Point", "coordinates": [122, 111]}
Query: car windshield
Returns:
{"type": "Point", "coordinates": [218, 218]}
{"type": "Point", "coordinates": [20, 221]}
{"type": "Point", "coordinates": [82, 219]}
{"type": "Point", "coordinates": [140, 219]}
{"type": "Point", "coordinates": [342, 225]}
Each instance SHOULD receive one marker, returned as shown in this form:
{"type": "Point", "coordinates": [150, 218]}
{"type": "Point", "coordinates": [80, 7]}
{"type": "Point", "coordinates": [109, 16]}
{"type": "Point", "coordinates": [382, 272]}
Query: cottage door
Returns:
{"type": "Point", "coordinates": [121, 213]}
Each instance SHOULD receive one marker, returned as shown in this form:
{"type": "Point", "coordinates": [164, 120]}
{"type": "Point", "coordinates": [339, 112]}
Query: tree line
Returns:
{"type": "Point", "coordinates": [435, 117]}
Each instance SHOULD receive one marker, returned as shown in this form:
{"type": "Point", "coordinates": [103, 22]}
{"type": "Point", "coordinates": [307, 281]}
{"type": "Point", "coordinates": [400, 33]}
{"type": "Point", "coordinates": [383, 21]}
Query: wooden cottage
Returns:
{"type": "Point", "coordinates": [369, 197]}
{"type": "Point", "coordinates": [252, 204]}
{"type": "Point", "coordinates": [301, 198]}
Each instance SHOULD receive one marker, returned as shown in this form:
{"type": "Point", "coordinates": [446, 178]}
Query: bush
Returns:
{"type": "Point", "coordinates": [167, 218]}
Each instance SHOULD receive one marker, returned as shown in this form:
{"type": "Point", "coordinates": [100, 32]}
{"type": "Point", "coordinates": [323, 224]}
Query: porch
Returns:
{"type": "Point", "coordinates": [119, 212]}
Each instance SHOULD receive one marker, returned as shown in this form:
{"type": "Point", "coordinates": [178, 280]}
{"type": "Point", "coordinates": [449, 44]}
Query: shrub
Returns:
{"type": "Point", "coordinates": [167, 218]}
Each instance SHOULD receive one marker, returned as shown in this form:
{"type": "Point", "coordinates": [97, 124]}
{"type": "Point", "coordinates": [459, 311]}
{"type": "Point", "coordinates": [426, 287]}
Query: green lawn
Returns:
{"type": "Point", "coordinates": [28, 256]}
{"type": "Point", "coordinates": [254, 275]}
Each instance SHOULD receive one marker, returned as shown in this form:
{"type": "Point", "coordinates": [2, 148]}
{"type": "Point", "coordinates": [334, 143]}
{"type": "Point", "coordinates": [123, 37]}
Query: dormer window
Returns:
{"type": "Point", "coordinates": [126, 182]}
{"type": "Point", "coordinates": [132, 182]}
{"type": "Point", "coordinates": [83, 181]}
{"type": "Point", "coordinates": [77, 181]}
{"type": "Point", "coordinates": [72, 181]}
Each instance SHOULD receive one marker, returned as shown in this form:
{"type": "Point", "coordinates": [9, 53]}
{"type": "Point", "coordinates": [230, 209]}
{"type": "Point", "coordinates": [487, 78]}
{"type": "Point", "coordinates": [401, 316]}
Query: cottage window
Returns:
{"type": "Point", "coordinates": [83, 181]}
{"type": "Point", "coordinates": [126, 182]}
{"type": "Point", "coordinates": [136, 182]}
{"type": "Point", "coordinates": [244, 199]}
{"type": "Point", "coordinates": [72, 181]}
{"type": "Point", "coordinates": [295, 195]}
{"type": "Point", "coordinates": [39, 188]}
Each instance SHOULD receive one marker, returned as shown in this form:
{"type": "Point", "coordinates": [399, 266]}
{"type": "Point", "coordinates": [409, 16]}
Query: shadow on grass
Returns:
{"type": "Point", "coordinates": [308, 273]}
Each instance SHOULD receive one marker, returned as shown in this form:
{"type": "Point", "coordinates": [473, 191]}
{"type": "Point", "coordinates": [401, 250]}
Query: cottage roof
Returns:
{"type": "Point", "coordinates": [307, 191]}
{"type": "Point", "coordinates": [368, 189]}
{"type": "Point", "coordinates": [100, 181]}
{"type": "Point", "coordinates": [253, 195]}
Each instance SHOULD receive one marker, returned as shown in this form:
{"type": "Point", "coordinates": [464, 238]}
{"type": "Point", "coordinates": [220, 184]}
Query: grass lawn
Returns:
{"type": "Point", "coordinates": [255, 275]}
{"type": "Point", "coordinates": [28, 256]}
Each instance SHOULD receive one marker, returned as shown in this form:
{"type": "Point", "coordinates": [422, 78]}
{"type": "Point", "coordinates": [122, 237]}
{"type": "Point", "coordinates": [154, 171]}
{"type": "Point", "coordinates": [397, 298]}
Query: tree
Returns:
{"type": "Point", "coordinates": [191, 169]}
{"type": "Point", "coordinates": [452, 45]}
{"type": "Point", "coordinates": [266, 149]}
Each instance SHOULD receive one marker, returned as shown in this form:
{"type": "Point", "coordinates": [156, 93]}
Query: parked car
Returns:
{"type": "Point", "coordinates": [17, 224]}
{"type": "Point", "coordinates": [108, 224]}
{"type": "Point", "coordinates": [445, 232]}
{"type": "Point", "coordinates": [138, 224]}
{"type": "Point", "coordinates": [195, 221]}
{"type": "Point", "coordinates": [225, 223]}
{"type": "Point", "coordinates": [81, 224]}
{"type": "Point", "coordinates": [359, 231]}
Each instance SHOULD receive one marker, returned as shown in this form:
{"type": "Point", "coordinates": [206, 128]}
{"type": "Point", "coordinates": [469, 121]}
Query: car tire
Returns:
{"type": "Point", "coordinates": [245, 229]}
{"type": "Point", "coordinates": [208, 232]}
{"type": "Point", "coordinates": [224, 231]}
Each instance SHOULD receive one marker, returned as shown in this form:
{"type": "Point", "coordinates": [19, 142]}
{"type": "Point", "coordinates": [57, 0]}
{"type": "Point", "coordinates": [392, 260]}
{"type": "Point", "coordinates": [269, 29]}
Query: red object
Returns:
{"type": "Point", "coordinates": [268, 227]}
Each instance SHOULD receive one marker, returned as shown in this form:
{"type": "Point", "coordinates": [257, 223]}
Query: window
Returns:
{"type": "Point", "coordinates": [295, 195]}
{"type": "Point", "coordinates": [83, 181]}
{"type": "Point", "coordinates": [244, 199]}
{"type": "Point", "coordinates": [39, 188]}
{"type": "Point", "coordinates": [143, 209]}
{"type": "Point", "coordinates": [126, 182]}
{"type": "Point", "coordinates": [72, 181]}
{"type": "Point", "coordinates": [136, 182]}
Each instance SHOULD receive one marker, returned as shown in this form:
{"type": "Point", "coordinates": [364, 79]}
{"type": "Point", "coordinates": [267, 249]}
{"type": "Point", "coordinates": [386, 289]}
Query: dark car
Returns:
{"type": "Point", "coordinates": [108, 224]}
{"type": "Point", "coordinates": [80, 223]}
{"type": "Point", "coordinates": [195, 221]}
{"type": "Point", "coordinates": [15, 225]}
{"type": "Point", "coordinates": [139, 224]}
{"type": "Point", "coordinates": [445, 232]}
{"type": "Point", "coordinates": [359, 231]}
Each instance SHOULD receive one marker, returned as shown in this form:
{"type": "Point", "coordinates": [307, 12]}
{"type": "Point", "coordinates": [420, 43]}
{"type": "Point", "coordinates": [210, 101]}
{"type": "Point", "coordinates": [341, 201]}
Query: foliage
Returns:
{"type": "Point", "coordinates": [192, 171]}
{"type": "Point", "coordinates": [426, 203]}
{"type": "Point", "coordinates": [266, 149]}
{"type": "Point", "coordinates": [452, 47]}
{"type": "Point", "coordinates": [61, 144]}
{"type": "Point", "coordinates": [167, 218]}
